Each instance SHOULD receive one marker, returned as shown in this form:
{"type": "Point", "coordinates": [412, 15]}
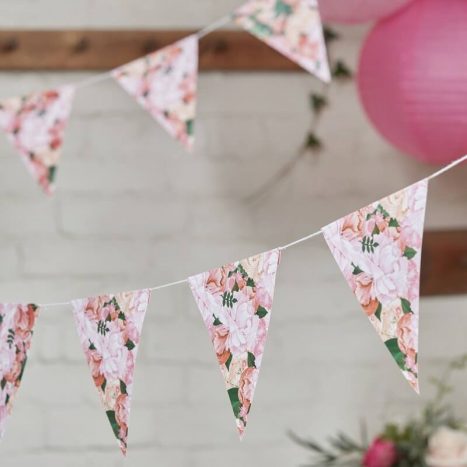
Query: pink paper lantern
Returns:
{"type": "Point", "coordinates": [358, 11]}
{"type": "Point", "coordinates": [412, 79]}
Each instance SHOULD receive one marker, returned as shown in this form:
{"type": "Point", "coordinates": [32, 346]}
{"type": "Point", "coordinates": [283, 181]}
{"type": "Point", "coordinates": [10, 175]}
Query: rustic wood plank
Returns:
{"type": "Point", "coordinates": [444, 263]}
{"type": "Point", "coordinates": [107, 49]}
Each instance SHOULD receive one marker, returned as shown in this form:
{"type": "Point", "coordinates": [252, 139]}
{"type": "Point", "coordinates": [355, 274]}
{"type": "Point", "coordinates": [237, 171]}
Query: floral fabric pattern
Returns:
{"type": "Point", "coordinates": [16, 331]}
{"type": "Point", "coordinates": [235, 302]}
{"type": "Point", "coordinates": [292, 27]}
{"type": "Point", "coordinates": [165, 84]}
{"type": "Point", "coordinates": [35, 125]}
{"type": "Point", "coordinates": [109, 328]}
{"type": "Point", "coordinates": [378, 249]}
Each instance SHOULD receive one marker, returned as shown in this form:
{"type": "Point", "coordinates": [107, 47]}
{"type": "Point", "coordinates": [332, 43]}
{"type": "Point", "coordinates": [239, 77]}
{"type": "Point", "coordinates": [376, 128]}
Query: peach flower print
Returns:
{"type": "Point", "coordinates": [109, 328]}
{"type": "Point", "coordinates": [292, 27]}
{"type": "Point", "coordinates": [165, 84]}
{"type": "Point", "coordinates": [16, 331]}
{"type": "Point", "coordinates": [35, 125]}
{"type": "Point", "coordinates": [378, 250]}
{"type": "Point", "coordinates": [235, 302]}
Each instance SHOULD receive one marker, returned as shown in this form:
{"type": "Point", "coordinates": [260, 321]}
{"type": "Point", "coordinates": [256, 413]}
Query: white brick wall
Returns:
{"type": "Point", "coordinates": [133, 210]}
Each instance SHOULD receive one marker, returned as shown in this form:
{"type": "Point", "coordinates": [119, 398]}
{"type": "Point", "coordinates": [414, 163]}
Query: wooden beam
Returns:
{"type": "Point", "coordinates": [444, 263]}
{"type": "Point", "coordinates": [107, 49]}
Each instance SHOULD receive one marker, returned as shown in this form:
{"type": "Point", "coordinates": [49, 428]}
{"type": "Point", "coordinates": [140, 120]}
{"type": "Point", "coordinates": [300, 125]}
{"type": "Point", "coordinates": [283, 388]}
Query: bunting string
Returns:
{"type": "Point", "coordinates": [281, 248]}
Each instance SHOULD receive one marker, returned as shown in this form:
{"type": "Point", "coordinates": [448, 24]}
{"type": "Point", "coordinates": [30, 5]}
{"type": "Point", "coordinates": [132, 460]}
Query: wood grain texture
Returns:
{"type": "Point", "coordinates": [107, 49]}
{"type": "Point", "coordinates": [444, 263]}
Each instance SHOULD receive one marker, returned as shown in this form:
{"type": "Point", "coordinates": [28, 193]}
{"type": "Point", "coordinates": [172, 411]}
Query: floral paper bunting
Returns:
{"type": "Point", "coordinates": [16, 330]}
{"type": "Point", "coordinates": [109, 328]}
{"type": "Point", "coordinates": [35, 125]}
{"type": "Point", "coordinates": [235, 302]}
{"type": "Point", "coordinates": [378, 249]}
{"type": "Point", "coordinates": [292, 27]}
{"type": "Point", "coordinates": [165, 84]}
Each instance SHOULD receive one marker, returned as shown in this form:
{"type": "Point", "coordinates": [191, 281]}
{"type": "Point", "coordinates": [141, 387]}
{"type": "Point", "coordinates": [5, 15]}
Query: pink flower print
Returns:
{"type": "Point", "coordinates": [164, 83]}
{"type": "Point", "coordinates": [16, 330]}
{"type": "Point", "coordinates": [235, 302]}
{"type": "Point", "coordinates": [109, 328]}
{"type": "Point", "coordinates": [35, 125]}
{"type": "Point", "coordinates": [378, 250]}
{"type": "Point", "coordinates": [292, 28]}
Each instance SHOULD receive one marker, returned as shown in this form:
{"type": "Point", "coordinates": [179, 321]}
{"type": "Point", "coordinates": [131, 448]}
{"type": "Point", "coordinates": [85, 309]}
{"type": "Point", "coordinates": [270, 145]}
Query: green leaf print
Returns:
{"type": "Point", "coordinates": [217, 321]}
{"type": "Point", "coordinates": [228, 362]}
{"type": "Point", "coordinates": [282, 8]}
{"type": "Point", "coordinates": [121, 316]}
{"type": "Point", "coordinates": [123, 387]}
{"type": "Point", "coordinates": [260, 29]}
{"type": "Point", "coordinates": [409, 253]}
{"type": "Point", "coordinates": [10, 338]}
{"type": "Point", "coordinates": [235, 401]}
{"type": "Point", "coordinates": [228, 299]}
{"type": "Point", "coordinates": [113, 422]}
{"type": "Point", "coordinates": [251, 360]}
{"type": "Point", "coordinates": [104, 385]}
{"type": "Point", "coordinates": [130, 345]}
{"type": "Point", "coordinates": [52, 173]}
{"type": "Point", "coordinates": [393, 347]}
{"type": "Point", "coordinates": [91, 345]}
{"type": "Point", "coordinates": [250, 282]}
{"type": "Point", "coordinates": [406, 306]}
{"type": "Point", "coordinates": [261, 312]}
{"type": "Point", "coordinates": [3, 383]}
{"type": "Point", "coordinates": [356, 270]}
{"type": "Point", "coordinates": [190, 127]}
{"type": "Point", "coordinates": [379, 310]}
{"type": "Point", "coordinates": [393, 222]}
{"type": "Point", "coordinates": [368, 244]}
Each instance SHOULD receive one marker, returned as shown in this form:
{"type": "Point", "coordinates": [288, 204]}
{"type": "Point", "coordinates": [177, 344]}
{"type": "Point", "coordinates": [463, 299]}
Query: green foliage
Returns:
{"type": "Point", "coordinates": [282, 8]}
{"type": "Point", "coordinates": [10, 338]}
{"type": "Point", "coordinates": [217, 321]}
{"type": "Point", "coordinates": [379, 310]}
{"type": "Point", "coordinates": [130, 345]}
{"type": "Point", "coordinates": [356, 270]}
{"type": "Point", "coordinates": [318, 102]}
{"type": "Point", "coordinates": [341, 71]}
{"type": "Point", "coordinates": [330, 35]}
{"type": "Point", "coordinates": [123, 389]}
{"type": "Point", "coordinates": [113, 422]}
{"type": "Point", "coordinates": [228, 362]}
{"type": "Point", "coordinates": [313, 142]}
{"type": "Point", "coordinates": [410, 438]}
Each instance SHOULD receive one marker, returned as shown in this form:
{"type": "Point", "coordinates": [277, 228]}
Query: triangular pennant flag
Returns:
{"type": "Point", "coordinates": [165, 84]}
{"type": "Point", "coordinates": [235, 302]}
{"type": "Point", "coordinates": [109, 328]}
{"type": "Point", "coordinates": [35, 125]}
{"type": "Point", "coordinates": [16, 330]}
{"type": "Point", "coordinates": [292, 27]}
{"type": "Point", "coordinates": [378, 249]}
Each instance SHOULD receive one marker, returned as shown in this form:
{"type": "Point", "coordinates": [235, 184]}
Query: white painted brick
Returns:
{"type": "Point", "coordinates": [118, 217]}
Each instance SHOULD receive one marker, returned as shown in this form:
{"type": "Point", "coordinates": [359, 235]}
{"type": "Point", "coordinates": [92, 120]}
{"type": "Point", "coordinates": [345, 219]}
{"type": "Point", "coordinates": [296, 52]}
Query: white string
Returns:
{"type": "Point", "coordinates": [212, 27]}
{"type": "Point", "coordinates": [301, 240]}
{"type": "Point", "coordinates": [200, 34]}
{"type": "Point", "coordinates": [296, 242]}
{"type": "Point", "coordinates": [448, 167]}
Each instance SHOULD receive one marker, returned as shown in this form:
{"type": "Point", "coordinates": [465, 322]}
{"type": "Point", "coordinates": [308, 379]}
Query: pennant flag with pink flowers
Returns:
{"type": "Point", "coordinates": [16, 330]}
{"type": "Point", "coordinates": [165, 84]}
{"type": "Point", "coordinates": [109, 328]}
{"type": "Point", "coordinates": [292, 27]}
{"type": "Point", "coordinates": [235, 302]}
{"type": "Point", "coordinates": [35, 125]}
{"type": "Point", "coordinates": [378, 249]}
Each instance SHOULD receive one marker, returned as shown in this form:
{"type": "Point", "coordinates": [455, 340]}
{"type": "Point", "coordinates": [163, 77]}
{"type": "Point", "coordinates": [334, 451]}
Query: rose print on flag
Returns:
{"type": "Point", "coordinates": [109, 328]}
{"type": "Point", "coordinates": [292, 27]}
{"type": "Point", "coordinates": [165, 84]}
{"type": "Point", "coordinates": [235, 302]}
{"type": "Point", "coordinates": [35, 125]}
{"type": "Point", "coordinates": [379, 249]}
{"type": "Point", "coordinates": [16, 330]}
